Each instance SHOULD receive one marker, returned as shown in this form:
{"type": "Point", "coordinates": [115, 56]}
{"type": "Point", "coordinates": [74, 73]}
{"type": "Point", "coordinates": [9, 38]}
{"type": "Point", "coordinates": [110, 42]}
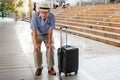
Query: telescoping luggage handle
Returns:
{"type": "Point", "coordinates": [61, 34]}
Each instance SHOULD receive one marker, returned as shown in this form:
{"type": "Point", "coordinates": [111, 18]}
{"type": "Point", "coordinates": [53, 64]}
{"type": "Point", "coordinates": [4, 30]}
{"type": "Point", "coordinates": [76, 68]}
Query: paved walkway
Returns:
{"type": "Point", "coordinates": [98, 61]}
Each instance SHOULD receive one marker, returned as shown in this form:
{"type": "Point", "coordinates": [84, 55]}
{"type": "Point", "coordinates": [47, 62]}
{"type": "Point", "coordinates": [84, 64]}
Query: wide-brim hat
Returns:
{"type": "Point", "coordinates": [44, 6]}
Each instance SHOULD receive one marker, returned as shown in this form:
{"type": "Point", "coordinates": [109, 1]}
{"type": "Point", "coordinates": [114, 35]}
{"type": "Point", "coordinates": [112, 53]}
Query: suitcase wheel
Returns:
{"type": "Point", "coordinates": [59, 73]}
{"type": "Point", "coordinates": [76, 73]}
{"type": "Point", "coordinates": [65, 74]}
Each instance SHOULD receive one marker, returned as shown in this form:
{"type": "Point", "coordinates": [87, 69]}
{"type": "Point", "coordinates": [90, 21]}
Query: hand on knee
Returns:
{"type": "Point", "coordinates": [50, 47]}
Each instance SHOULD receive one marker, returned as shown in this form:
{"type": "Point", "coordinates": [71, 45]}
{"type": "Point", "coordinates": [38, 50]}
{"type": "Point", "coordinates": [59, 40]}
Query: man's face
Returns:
{"type": "Point", "coordinates": [43, 14]}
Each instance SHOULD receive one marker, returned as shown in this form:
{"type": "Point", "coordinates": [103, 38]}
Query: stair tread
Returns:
{"type": "Point", "coordinates": [93, 24]}
{"type": "Point", "coordinates": [91, 29]}
{"type": "Point", "coordinates": [106, 38]}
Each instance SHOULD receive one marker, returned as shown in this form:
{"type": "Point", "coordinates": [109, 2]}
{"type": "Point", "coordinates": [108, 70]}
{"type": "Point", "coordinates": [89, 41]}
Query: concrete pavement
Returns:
{"type": "Point", "coordinates": [97, 61]}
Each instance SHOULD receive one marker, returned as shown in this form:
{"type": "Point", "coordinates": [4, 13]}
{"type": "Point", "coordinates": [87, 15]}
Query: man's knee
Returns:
{"type": "Point", "coordinates": [37, 51]}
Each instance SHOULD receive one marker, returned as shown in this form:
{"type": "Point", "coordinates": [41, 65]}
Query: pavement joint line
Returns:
{"type": "Point", "coordinates": [9, 68]}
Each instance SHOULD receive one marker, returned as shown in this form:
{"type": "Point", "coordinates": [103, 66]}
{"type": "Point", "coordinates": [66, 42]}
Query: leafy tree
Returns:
{"type": "Point", "coordinates": [7, 7]}
{"type": "Point", "coordinates": [20, 3]}
{"type": "Point", "coordinates": [2, 6]}
{"type": "Point", "coordinates": [10, 6]}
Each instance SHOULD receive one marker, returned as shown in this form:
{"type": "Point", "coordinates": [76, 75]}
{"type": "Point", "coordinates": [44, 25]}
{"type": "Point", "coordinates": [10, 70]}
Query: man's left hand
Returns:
{"type": "Point", "coordinates": [50, 46]}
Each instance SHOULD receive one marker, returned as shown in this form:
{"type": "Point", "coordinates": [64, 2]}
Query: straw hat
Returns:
{"type": "Point", "coordinates": [44, 6]}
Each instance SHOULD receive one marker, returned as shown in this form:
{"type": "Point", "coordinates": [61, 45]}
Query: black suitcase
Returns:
{"type": "Point", "coordinates": [68, 57]}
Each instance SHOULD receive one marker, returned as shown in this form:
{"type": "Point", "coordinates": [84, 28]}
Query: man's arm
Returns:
{"type": "Point", "coordinates": [35, 40]}
{"type": "Point", "coordinates": [34, 32]}
{"type": "Point", "coordinates": [50, 33]}
{"type": "Point", "coordinates": [50, 40]}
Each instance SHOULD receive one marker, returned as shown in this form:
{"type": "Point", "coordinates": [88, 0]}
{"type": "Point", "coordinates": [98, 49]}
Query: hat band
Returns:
{"type": "Point", "coordinates": [44, 8]}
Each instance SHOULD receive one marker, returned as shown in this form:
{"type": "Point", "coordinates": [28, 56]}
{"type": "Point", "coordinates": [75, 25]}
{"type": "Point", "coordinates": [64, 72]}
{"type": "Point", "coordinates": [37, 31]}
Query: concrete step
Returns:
{"type": "Point", "coordinates": [109, 19]}
{"type": "Point", "coordinates": [103, 23]}
{"type": "Point", "coordinates": [117, 20]}
{"type": "Point", "coordinates": [91, 12]}
{"type": "Point", "coordinates": [92, 31]}
{"type": "Point", "coordinates": [91, 26]}
{"type": "Point", "coordinates": [98, 7]}
{"type": "Point", "coordinates": [113, 25]}
{"type": "Point", "coordinates": [93, 36]}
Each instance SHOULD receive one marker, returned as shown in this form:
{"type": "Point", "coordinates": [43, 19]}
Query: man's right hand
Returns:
{"type": "Point", "coordinates": [35, 39]}
{"type": "Point", "coordinates": [36, 47]}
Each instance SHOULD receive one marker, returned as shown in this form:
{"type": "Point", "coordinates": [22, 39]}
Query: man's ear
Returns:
{"type": "Point", "coordinates": [49, 10]}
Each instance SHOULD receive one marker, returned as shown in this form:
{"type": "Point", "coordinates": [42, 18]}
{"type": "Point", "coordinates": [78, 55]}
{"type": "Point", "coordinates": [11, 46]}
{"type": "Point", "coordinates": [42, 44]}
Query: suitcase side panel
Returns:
{"type": "Point", "coordinates": [60, 58]}
{"type": "Point", "coordinates": [68, 59]}
{"type": "Point", "coordinates": [71, 60]}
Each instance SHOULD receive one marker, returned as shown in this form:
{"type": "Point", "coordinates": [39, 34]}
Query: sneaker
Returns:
{"type": "Point", "coordinates": [38, 71]}
{"type": "Point", "coordinates": [52, 71]}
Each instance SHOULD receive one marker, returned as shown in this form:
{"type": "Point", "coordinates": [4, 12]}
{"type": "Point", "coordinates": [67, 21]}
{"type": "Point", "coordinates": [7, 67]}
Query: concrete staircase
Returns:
{"type": "Point", "coordinates": [98, 22]}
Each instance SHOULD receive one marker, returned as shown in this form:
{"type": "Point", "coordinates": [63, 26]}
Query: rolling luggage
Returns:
{"type": "Point", "coordinates": [68, 57]}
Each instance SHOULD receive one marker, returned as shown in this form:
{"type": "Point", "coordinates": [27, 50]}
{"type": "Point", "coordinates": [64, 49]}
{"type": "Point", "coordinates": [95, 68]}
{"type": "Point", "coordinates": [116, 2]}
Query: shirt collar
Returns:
{"type": "Point", "coordinates": [42, 19]}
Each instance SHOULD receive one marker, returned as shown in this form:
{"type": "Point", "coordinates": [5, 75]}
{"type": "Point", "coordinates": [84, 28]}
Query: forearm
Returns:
{"type": "Point", "coordinates": [50, 33]}
{"type": "Point", "coordinates": [34, 33]}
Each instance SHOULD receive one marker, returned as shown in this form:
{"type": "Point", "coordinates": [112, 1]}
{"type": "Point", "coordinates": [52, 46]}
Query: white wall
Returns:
{"type": "Point", "coordinates": [75, 2]}
{"type": "Point", "coordinates": [72, 2]}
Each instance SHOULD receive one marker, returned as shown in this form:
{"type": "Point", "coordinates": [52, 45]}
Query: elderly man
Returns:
{"type": "Point", "coordinates": [42, 25]}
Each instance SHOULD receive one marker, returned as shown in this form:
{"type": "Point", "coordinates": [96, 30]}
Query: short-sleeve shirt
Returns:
{"type": "Point", "coordinates": [42, 26]}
